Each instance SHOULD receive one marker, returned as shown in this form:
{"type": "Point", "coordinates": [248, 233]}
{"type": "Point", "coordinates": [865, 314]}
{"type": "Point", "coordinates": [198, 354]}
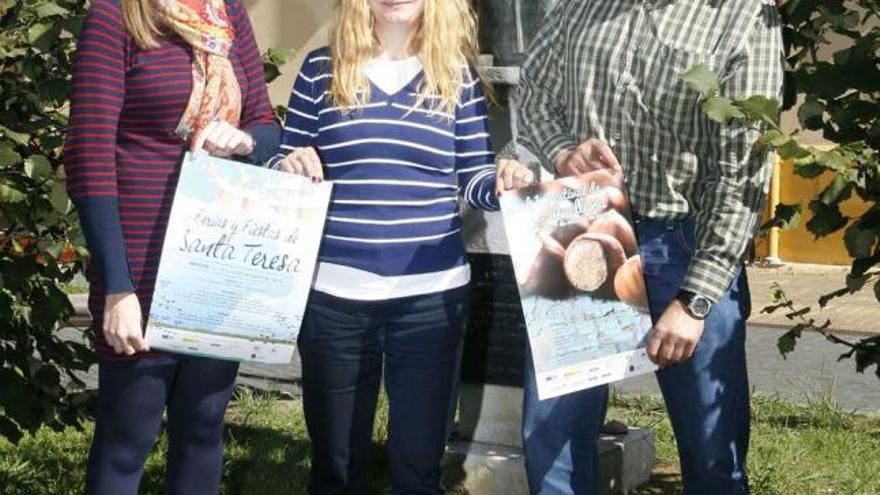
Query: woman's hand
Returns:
{"type": "Point", "coordinates": [510, 174]}
{"type": "Point", "coordinates": [305, 162]}
{"type": "Point", "coordinates": [221, 139]}
{"type": "Point", "coordinates": [122, 324]}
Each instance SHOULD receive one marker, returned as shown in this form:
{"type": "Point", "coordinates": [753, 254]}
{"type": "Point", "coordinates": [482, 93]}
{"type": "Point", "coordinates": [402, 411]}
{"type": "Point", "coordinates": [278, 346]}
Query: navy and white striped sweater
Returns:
{"type": "Point", "coordinates": [397, 172]}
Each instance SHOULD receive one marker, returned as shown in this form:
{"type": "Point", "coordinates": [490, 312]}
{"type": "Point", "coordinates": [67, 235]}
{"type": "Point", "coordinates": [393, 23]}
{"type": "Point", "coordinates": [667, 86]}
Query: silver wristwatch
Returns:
{"type": "Point", "coordinates": [697, 306]}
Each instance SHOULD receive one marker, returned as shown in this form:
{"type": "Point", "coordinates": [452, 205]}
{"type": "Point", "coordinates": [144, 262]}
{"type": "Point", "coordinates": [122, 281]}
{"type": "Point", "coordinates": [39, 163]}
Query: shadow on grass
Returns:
{"type": "Point", "coordinates": [666, 480]}
{"type": "Point", "coordinates": [262, 460]}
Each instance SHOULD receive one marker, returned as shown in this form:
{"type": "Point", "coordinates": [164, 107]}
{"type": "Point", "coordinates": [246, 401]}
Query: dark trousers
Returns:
{"type": "Point", "coordinates": [131, 399]}
{"type": "Point", "coordinates": [707, 397]}
{"type": "Point", "coordinates": [343, 345]}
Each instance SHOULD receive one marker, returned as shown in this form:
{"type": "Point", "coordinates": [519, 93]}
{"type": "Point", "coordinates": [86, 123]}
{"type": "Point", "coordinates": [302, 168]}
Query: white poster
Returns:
{"type": "Point", "coordinates": [237, 262]}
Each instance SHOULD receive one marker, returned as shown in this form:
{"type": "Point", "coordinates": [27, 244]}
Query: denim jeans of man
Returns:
{"type": "Point", "coordinates": [707, 397]}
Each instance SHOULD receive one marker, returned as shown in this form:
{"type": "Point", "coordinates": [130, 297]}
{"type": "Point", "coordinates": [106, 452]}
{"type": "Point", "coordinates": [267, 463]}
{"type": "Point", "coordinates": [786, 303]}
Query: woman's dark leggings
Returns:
{"type": "Point", "coordinates": [131, 399]}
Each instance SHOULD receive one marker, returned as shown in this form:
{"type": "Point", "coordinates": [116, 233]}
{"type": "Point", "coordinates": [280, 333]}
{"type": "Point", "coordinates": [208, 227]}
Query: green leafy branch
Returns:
{"type": "Point", "coordinates": [833, 74]}
{"type": "Point", "coordinates": [866, 352]}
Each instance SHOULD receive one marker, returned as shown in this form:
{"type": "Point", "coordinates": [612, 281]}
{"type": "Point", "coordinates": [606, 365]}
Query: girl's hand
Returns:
{"type": "Point", "coordinates": [305, 162]}
{"type": "Point", "coordinates": [510, 174]}
{"type": "Point", "coordinates": [122, 324]}
{"type": "Point", "coordinates": [223, 140]}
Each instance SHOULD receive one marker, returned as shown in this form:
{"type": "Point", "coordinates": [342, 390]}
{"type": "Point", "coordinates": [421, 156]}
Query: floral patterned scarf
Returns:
{"type": "Point", "coordinates": [216, 94]}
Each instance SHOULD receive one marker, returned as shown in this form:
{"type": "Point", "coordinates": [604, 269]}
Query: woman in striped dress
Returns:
{"type": "Point", "coordinates": [394, 114]}
{"type": "Point", "coordinates": [153, 79]}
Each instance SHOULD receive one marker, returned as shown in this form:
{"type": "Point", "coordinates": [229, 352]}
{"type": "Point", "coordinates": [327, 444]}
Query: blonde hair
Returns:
{"type": "Point", "coordinates": [141, 22]}
{"type": "Point", "coordinates": [445, 42]}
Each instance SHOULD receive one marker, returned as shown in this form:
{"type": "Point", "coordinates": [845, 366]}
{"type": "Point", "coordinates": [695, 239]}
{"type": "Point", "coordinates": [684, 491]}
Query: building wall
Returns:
{"type": "Point", "coordinates": [299, 24]}
{"type": "Point", "coordinates": [798, 245]}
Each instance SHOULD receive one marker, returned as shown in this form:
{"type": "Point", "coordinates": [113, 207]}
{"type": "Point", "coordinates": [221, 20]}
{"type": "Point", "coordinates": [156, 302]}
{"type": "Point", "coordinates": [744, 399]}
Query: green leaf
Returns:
{"type": "Point", "coordinates": [279, 56]}
{"type": "Point", "coordinates": [835, 159]}
{"type": "Point", "coordinates": [855, 284]}
{"type": "Point", "coordinates": [9, 194]}
{"type": "Point", "coordinates": [10, 430]}
{"type": "Point", "coordinates": [809, 169]}
{"type": "Point", "coordinates": [55, 89]}
{"type": "Point", "coordinates": [866, 357]}
{"type": "Point", "coordinates": [760, 108]}
{"type": "Point", "coordinates": [273, 59]}
{"type": "Point", "coordinates": [839, 190]}
{"type": "Point", "coordinates": [5, 5]}
{"type": "Point", "coordinates": [769, 310]}
{"type": "Point", "coordinates": [791, 148]}
{"type": "Point", "coordinates": [74, 25]}
{"type": "Point", "coordinates": [43, 34]}
{"type": "Point", "coordinates": [810, 114]}
{"type": "Point", "coordinates": [861, 266]}
{"type": "Point", "coordinates": [785, 217]}
{"type": "Point", "coordinates": [824, 299]}
{"type": "Point", "coordinates": [826, 219]}
{"type": "Point", "coordinates": [703, 80]}
{"type": "Point", "coordinates": [59, 198]}
{"type": "Point", "coordinates": [49, 9]}
{"type": "Point", "coordinates": [769, 138]}
{"type": "Point", "coordinates": [788, 341]}
{"type": "Point", "coordinates": [37, 167]}
{"type": "Point", "coordinates": [859, 242]}
{"type": "Point", "coordinates": [721, 110]}
{"type": "Point", "coordinates": [19, 137]}
{"type": "Point", "coordinates": [9, 157]}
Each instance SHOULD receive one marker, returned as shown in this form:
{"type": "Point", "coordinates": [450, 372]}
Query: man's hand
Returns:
{"type": "Point", "coordinates": [223, 140]}
{"type": "Point", "coordinates": [510, 174]}
{"type": "Point", "coordinates": [122, 324]}
{"type": "Point", "coordinates": [305, 162]}
{"type": "Point", "coordinates": [675, 336]}
{"type": "Point", "coordinates": [590, 155]}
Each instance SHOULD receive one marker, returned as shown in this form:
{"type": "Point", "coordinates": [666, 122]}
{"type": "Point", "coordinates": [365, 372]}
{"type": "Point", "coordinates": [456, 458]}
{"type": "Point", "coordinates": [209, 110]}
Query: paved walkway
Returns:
{"type": "Point", "coordinates": [804, 284]}
{"type": "Point", "coordinates": [810, 372]}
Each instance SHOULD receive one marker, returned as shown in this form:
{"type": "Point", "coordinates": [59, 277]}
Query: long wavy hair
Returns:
{"type": "Point", "coordinates": [141, 22]}
{"type": "Point", "coordinates": [445, 42]}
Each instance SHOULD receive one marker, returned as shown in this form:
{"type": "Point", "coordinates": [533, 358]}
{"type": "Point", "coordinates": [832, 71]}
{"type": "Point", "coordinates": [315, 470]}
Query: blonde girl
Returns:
{"type": "Point", "coordinates": [394, 114]}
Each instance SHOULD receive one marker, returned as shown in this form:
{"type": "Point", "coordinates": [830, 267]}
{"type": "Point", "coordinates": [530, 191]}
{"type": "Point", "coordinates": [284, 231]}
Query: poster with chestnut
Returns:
{"type": "Point", "coordinates": [575, 255]}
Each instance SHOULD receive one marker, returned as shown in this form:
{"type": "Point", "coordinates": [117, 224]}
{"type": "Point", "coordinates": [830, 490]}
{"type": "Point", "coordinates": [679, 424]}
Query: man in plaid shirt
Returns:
{"type": "Point", "coordinates": [602, 87]}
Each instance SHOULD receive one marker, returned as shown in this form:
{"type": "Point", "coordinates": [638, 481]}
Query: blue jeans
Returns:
{"type": "Point", "coordinates": [344, 346]}
{"type": "Point", "coordinates": [707, 397]}
{"type": "Point", "coordinates": [131, 399]}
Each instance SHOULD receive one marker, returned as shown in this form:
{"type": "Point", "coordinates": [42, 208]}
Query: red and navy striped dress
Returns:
{"type": "Point", "coordinates": [122, 157]}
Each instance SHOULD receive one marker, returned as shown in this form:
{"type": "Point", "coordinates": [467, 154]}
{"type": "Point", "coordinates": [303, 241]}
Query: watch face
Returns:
{"type": "Point", "coordinates": [700, 306]}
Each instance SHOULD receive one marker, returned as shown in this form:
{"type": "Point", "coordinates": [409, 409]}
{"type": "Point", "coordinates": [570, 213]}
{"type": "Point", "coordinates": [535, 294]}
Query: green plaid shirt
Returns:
{"type": "Point", "coordinates": [611, 69]}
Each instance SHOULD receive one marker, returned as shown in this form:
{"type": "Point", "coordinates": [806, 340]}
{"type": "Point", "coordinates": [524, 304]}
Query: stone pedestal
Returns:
{"type": "Point", "coordinates": [474, 468]}
{"type": "Point", "coordinates": [488, 457]}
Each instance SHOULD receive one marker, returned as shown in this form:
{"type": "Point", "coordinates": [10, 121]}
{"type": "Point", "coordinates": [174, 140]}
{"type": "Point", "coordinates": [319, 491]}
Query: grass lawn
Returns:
{"type": "Point", "coordinates": [796, 450]}
{"type": "Point", "coordinates": [74, 288]}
